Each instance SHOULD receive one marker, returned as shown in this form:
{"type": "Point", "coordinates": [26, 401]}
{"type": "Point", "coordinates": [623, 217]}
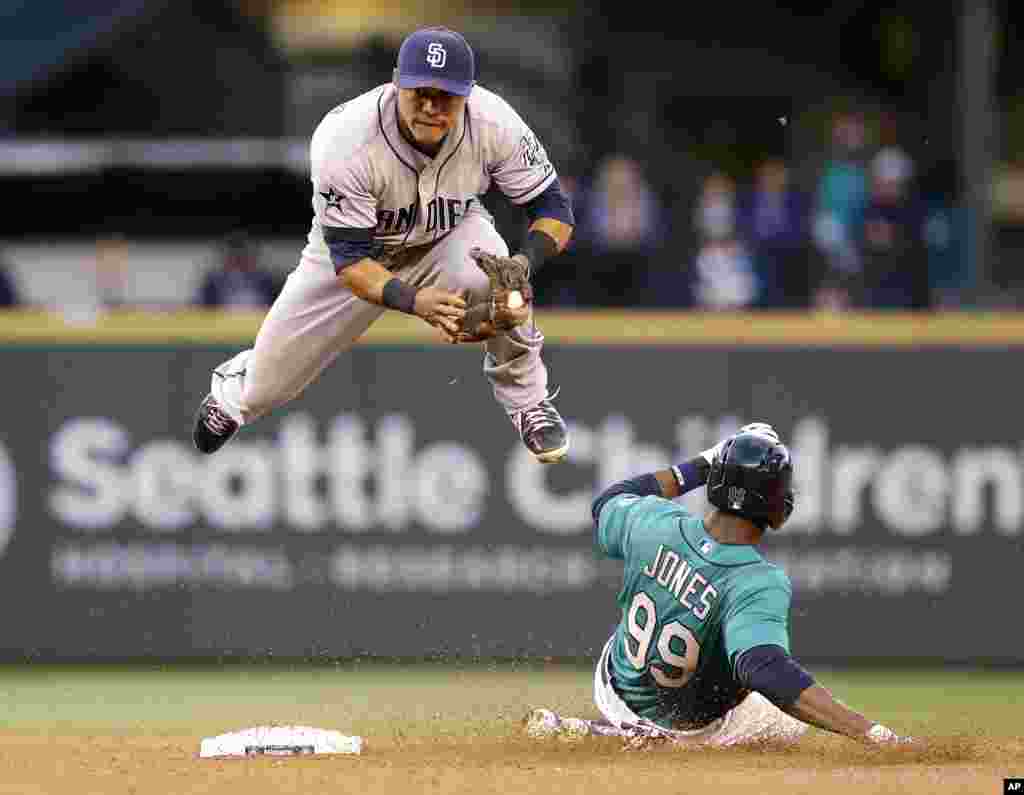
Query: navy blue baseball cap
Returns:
{"type": "Point", "coordinates": [436, 58]}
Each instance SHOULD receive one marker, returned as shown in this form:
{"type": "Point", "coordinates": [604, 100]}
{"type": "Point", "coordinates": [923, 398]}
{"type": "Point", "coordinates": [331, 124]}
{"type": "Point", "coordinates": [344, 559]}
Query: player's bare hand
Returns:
{"type": "Point", "coordinates": [883, 736]}
{"type": "Point", "coordinates": [442, 309]}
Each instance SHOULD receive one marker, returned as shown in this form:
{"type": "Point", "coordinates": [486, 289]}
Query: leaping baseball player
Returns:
{"type": "Point", "coordinates": [398, 224]}
{"type": "Point", "coordinates": [701, 654]}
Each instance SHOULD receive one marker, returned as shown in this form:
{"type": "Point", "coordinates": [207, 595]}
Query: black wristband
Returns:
{"type": "Point", "coordinates": [400, 295]}
{"type": "Point", "coordinates": [691, 474]}
{"type": "Point", "coordinates": [538, 249]}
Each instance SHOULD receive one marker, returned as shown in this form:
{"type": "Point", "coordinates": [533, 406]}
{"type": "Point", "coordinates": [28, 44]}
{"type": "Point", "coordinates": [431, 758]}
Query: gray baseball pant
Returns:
{"type": "Point", "coordinates": [315, 319]}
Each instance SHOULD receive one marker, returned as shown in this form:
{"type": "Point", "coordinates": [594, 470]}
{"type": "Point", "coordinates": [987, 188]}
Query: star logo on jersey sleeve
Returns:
{"type": "Point", "coordinates": [332, 197]}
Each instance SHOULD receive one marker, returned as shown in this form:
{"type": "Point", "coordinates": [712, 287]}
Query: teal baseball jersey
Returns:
{"type": "Point", "coordinates": [690, 607]}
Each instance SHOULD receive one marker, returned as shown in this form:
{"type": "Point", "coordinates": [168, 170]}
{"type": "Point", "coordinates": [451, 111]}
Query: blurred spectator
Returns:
{"type": "Point", "coordinates": [111, 272]}
{"type": "Point", "coordinates": [895, 264]}
{"type": "Point", "coordinates": [621, 225]}
{"type": "Point", "coordinates": [945, 236]}
{"type": "Point", "coordinates": [841, 201]}
{"type": "Point", "coordinates": [724, 273]}
{"type": "Point", "coordinates": [773, 219]}
{"type": "Point", "coordinates": [101, 286]}
{"type": "Point", "coordinates": [622, 213]}
{"type": "Point", "coordinates": [9, 295]}
{"type": "Point", "coordinates": [240, 281]}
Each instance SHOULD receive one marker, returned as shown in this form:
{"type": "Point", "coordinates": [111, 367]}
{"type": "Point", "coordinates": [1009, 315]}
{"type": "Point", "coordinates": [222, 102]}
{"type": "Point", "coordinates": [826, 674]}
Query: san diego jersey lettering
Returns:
{"type": "Point", "coordinates": [366, 176]}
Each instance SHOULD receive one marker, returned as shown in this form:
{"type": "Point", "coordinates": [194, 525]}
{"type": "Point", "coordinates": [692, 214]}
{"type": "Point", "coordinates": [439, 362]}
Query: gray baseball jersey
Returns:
{"type": "Point", "coordinates": [367, 176]}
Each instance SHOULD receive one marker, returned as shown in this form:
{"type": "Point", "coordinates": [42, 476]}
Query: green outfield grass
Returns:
{"type": "Point", "coordinates": [369, 697]}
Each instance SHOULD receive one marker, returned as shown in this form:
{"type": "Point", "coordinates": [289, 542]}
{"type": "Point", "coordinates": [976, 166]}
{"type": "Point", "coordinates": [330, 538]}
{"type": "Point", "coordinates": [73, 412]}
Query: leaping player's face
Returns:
{"type": "Point", "coordinates": [428, 114]}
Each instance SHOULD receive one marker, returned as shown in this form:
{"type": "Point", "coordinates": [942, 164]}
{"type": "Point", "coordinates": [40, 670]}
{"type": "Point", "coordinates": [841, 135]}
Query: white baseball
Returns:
{"type": "Point", "coordinates": [515, 299]}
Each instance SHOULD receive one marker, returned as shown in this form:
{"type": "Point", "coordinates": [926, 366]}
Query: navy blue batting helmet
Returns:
{"type": "Point", "coordinates": [752, 477]}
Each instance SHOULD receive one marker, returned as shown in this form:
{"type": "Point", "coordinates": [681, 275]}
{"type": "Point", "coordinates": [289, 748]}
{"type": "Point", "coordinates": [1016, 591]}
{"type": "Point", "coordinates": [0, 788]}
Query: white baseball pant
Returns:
{"type": "Point", "coordinates": [755, 719]}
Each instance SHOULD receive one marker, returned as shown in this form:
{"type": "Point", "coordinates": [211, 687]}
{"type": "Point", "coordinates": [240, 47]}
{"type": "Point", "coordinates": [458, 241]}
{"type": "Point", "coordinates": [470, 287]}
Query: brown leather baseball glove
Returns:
{"type": "Point", "coordinates": [509, 303]}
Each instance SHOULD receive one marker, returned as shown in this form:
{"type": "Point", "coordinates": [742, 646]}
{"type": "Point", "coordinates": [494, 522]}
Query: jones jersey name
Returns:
{"type": "Point", "coordinates": [670, 571]}
{"type": "Point", "coordinates": [443, 214]}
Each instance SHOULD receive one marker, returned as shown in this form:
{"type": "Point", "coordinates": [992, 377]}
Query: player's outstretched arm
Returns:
{"type": "Point", "coordinates": [818, 707]}
{"type": "Point", "coordinates": [772, 672]}
{"type": "Point", "coordinates": [372, 282]}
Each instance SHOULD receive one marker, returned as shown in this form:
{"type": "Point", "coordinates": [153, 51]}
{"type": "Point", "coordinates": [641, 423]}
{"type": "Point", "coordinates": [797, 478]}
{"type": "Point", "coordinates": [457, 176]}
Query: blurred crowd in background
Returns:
{"type": "Point", "coordinates": [867, 231]}
{"type": "Point", "coordinates": [809, 159]}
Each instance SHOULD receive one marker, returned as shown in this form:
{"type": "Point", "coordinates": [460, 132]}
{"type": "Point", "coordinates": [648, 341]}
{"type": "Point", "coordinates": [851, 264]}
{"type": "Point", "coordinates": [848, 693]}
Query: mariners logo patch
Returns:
{"type": "Point", "coordinates": [736, 496]}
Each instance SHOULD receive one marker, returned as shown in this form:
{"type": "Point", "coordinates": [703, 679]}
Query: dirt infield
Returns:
{"type": "Point", "coordinates": [499, 762]}
{"type": "Point", "coordinates": [451, 731]}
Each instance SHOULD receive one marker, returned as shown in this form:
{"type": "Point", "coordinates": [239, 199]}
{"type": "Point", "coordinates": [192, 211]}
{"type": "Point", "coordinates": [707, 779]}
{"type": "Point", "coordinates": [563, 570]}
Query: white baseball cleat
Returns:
{"type": "Point", "coordinates": [542, 723]}
{"type": "Point", "coordinates": [574, 728]}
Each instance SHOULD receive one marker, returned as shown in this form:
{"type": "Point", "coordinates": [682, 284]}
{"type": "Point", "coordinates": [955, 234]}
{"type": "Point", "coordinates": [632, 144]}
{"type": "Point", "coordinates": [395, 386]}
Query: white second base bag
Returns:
{"type": "Point", "coordinates": [280, 741]}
